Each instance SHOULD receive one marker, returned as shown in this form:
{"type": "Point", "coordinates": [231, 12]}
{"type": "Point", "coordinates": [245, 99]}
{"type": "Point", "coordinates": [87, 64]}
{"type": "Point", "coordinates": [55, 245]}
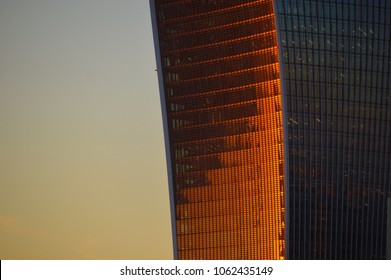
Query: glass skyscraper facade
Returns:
{"type": "Point", "coordinates": [336, 68]}
{"type": "Point", "coordinates": [277, 121]}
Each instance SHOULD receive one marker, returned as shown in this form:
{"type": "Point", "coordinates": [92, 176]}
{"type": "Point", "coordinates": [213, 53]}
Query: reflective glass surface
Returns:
{"type": "Point", "coordinates": [229, 99]}
{"type": "Point", "coordinates": [336, 69]}
{"type": "Point", "coordinates": [222, 93]}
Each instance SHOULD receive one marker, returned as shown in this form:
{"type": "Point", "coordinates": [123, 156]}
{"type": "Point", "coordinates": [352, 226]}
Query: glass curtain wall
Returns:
{"type": "Point", "coordinates": [336, 69]}
{"type": "Point", "coordinates": [222, 94]}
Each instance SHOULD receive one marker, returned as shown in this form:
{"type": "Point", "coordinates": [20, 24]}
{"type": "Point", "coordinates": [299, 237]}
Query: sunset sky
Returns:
{"type": "Point", "coordinates": [82, 164]}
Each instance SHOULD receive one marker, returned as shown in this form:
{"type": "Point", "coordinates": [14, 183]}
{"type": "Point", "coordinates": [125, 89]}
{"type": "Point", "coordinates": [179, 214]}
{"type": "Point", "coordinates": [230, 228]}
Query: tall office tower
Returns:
{"type": "Point", "coordinates": [277, 121]}
{"type": "Point", "coordinates": [336, 69]}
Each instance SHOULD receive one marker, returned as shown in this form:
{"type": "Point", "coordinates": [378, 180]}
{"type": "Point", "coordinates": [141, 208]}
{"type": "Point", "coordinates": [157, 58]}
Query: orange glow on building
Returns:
{"type": "Point", "coordinates": [223, 112]}
{"type": "Point", "coordinates": [276, 150]}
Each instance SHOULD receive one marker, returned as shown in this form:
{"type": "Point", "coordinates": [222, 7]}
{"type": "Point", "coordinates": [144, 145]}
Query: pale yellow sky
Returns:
{"type": "Point", "coordinates": [82, 164]}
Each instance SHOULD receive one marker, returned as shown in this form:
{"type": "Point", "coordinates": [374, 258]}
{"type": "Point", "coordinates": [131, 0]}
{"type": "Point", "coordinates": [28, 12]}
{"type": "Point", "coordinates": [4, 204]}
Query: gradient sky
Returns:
{"type": "Point", "coordinates": [82, 163]}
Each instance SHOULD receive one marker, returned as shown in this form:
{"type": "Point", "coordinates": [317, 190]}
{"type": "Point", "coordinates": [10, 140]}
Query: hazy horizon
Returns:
{"type": "Point", "coordinates": [82, 167]}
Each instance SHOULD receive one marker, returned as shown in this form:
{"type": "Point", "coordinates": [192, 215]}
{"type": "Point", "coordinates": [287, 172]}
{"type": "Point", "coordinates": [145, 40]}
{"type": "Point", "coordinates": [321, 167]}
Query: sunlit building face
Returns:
{"type": "Point", "coordinates": [277, 127]}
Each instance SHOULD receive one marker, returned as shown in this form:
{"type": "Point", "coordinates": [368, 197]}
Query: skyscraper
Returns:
{"type": "Point", "coordinates": [277, 120]}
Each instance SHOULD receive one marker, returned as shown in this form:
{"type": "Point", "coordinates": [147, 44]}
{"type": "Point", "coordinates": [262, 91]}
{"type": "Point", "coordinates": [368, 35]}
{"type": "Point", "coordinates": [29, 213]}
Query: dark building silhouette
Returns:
{"type": "Point", "coordinates": [277, 121]}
